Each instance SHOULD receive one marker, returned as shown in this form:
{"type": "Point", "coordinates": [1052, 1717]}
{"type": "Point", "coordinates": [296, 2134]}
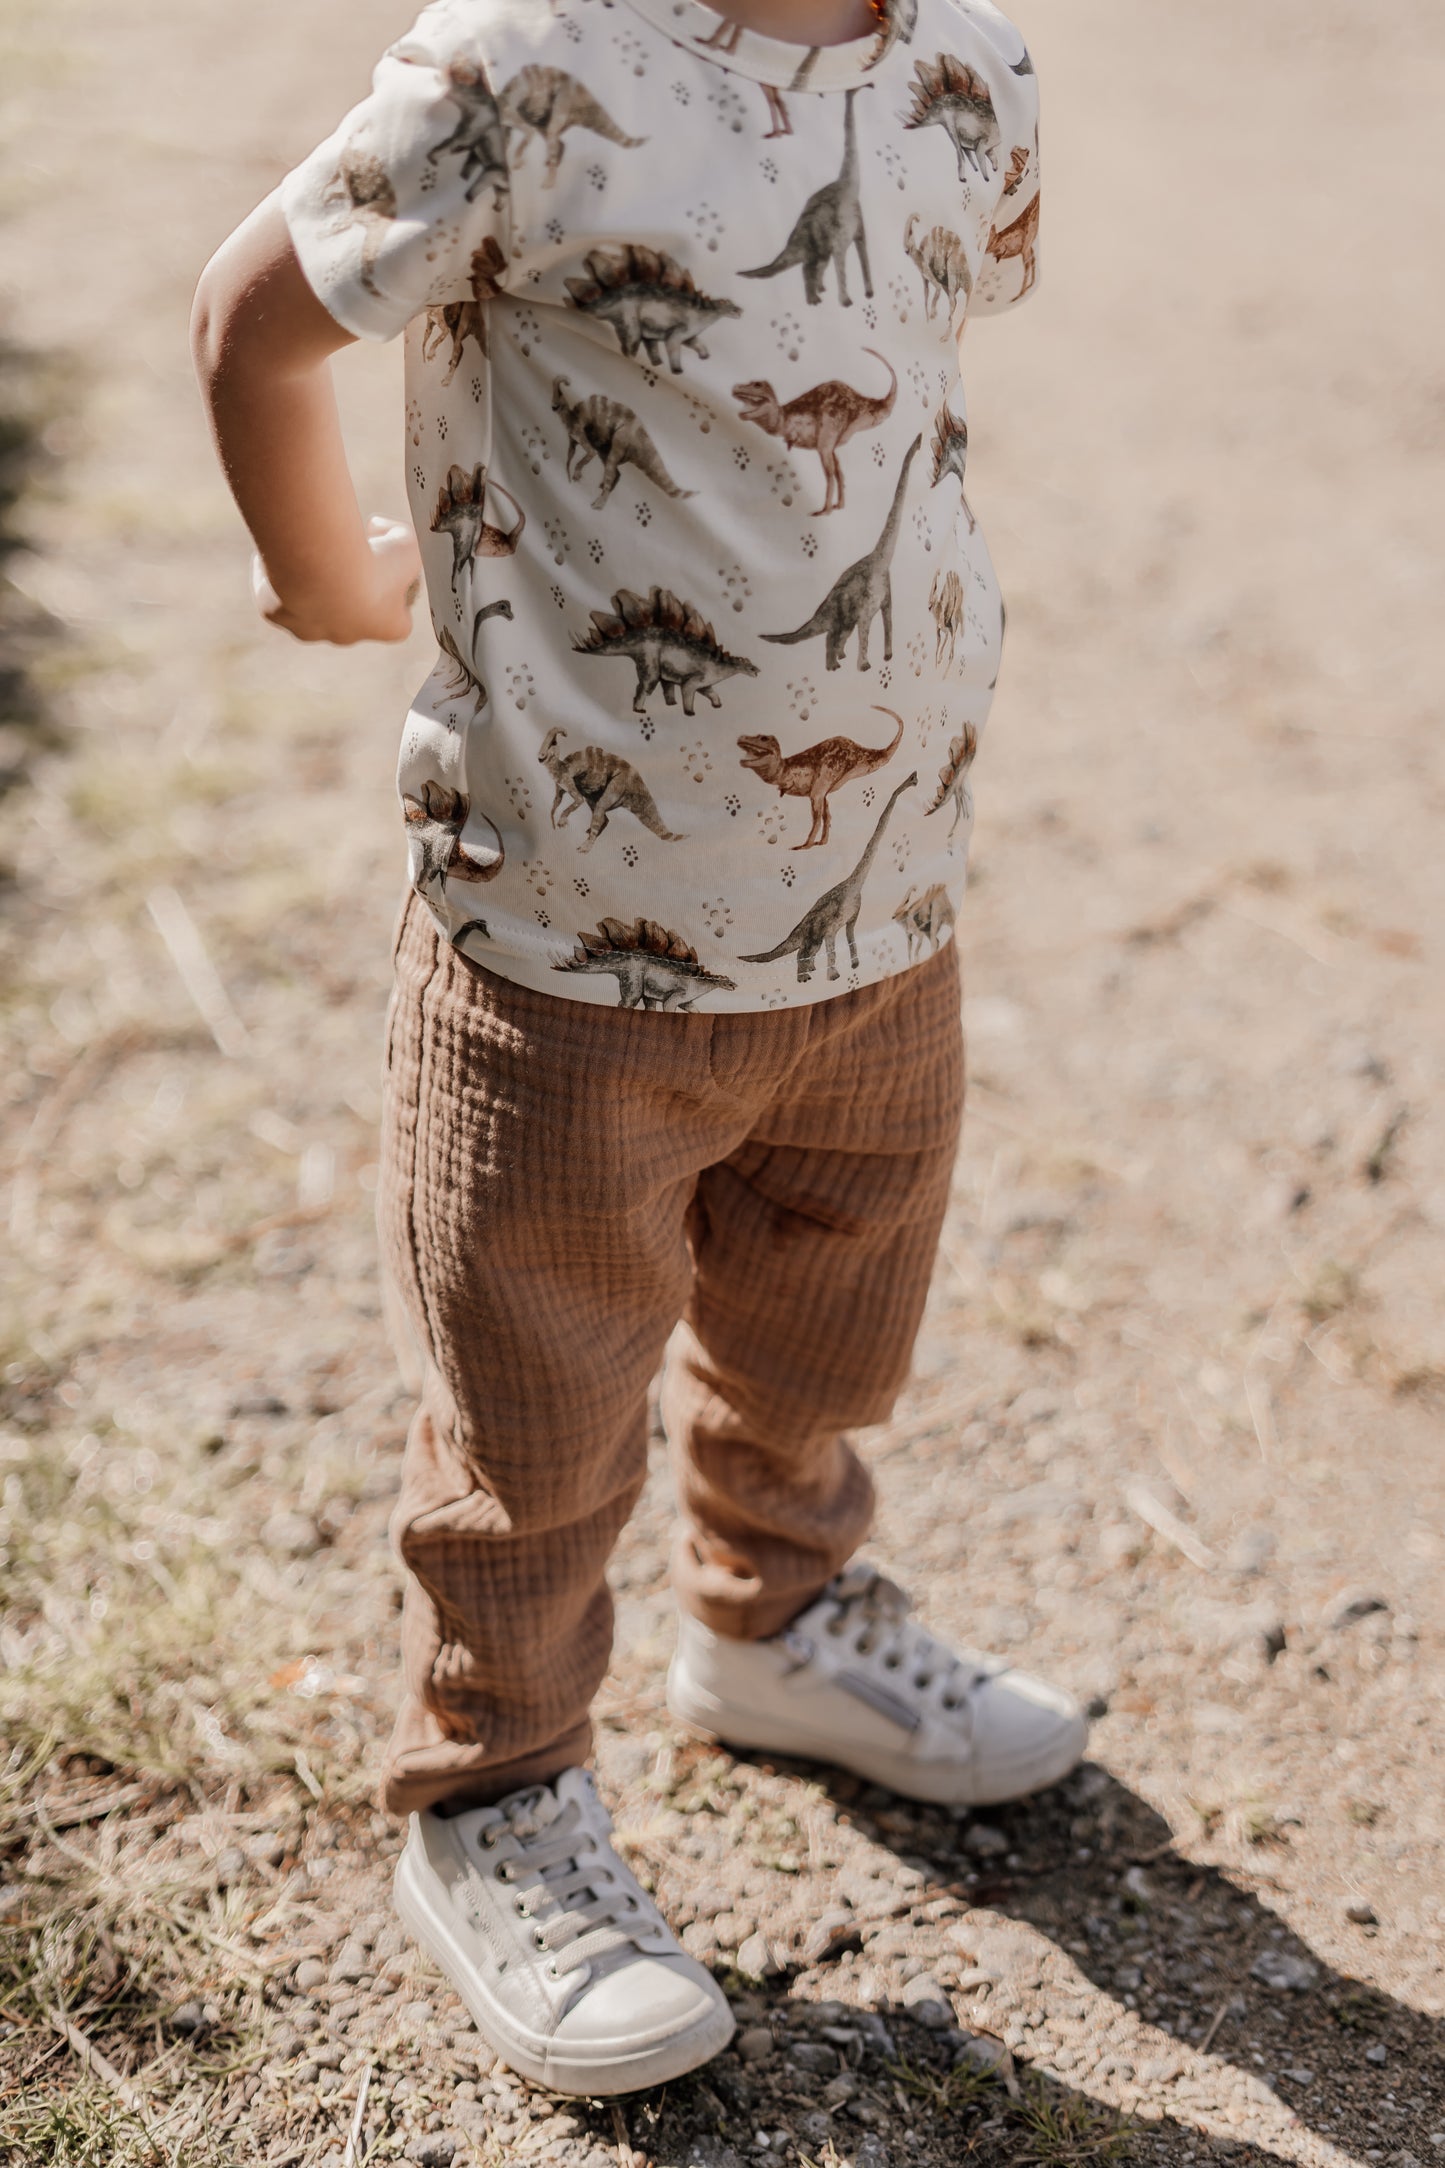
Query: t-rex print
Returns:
{"type": "Point", "coordinates": [950, 456]}
{"type": "Point", "coordinates": [950, 95]}
{"type": "Point", "coordinates": [654, 967]}
{"type": "Point", "coordinates": [925, 920]}
{"type": "Point", "coordinates": [950, 610]}
{"type": "Point", "coordinates": [1021, 240]}
{"type": "Point", "coordinates": [435, 821]}
{"type": "Point", "coordinates": [670, 643]}
{"type": "Point", "coordinates": [463, 320]}
{"type": "Point", "coordinates": [818, 771]}
{"type": "Point", "coordinates": [461, 513]}
{"type": "Point", "coordinates": [942, 262]}
{"type": "Point", "coordinates": [829, 224]}
{"type": "Point", "coordinates": [833, 913]}
{"type": "Point", "coordinates": [649, 300]}
{"type": "Point", "coordinates": [821, 420]}
{"type": "Point", "coordinates": [360, 192]}
{"type": "Point", "coordinates": [605, 782]}
{"type": "Point", "coordinates": [953, 784]}
{"type": "Point", "coordinates": [860, 594]}
{"type": "Point", "coordinates": [608, 430]}
{"type": "Point", "coordinates": [480, 136]}
{"type": "Point", "coordinates": [545, 103]}
{"type": "Point", "coordinates": [463, 677]}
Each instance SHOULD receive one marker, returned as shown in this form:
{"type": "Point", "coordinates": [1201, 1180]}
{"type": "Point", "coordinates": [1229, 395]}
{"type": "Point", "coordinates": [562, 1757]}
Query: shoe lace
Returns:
{"type": "Point", "coordinates": [871, 1614]}
{"type": "Point", "coordinates": [567, 1881]}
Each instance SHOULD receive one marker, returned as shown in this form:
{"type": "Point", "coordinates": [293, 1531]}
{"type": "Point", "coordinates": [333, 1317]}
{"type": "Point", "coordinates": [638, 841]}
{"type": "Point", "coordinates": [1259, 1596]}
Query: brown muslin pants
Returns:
{"type": "Point", "coordinates": [561, 1185]}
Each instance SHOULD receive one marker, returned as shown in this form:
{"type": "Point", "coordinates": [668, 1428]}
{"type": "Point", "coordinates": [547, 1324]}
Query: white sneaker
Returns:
{"type": "Point", "coordinates": [567, 1967]}
{"type": "Point", "coordinates": [855, 1682]}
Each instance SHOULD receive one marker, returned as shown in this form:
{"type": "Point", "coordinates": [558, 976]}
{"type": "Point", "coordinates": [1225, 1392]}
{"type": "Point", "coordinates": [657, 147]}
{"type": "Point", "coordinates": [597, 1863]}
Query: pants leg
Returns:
{"type": "Point", "coordinates": [814, 1245]}
{"type": "Point", "coordinates": [539, 1158]}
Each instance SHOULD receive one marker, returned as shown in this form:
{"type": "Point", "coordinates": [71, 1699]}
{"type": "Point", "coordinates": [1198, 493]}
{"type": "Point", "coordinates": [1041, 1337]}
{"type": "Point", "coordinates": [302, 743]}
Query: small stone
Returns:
{"type": "Point", "coordinates": [1282, 1970]}
{"type": "Point", "coordinates": [839, 2089]}
{"type": "Point", "coordinates": [1251, 1550]}
{"type": "Point", "coordinates": [1300, 2077]}
{"type": "Point", "coordinates": [293, 1534]}
{"type": "Point", "coordinates": [830, 1935]}
{"type": "Point", "coordinates": [306, 2073]}
{"type": "Point", "coordinates": [1379, 2053]}
{"type": "Point", "coordinates": [230, 1866]}
{"type": "Point", "coordinates": [979, 2052]}
{"type": "Point", "coordinates": [350, 1963]}
{"type": "Point", "coordinates": [814, 2055]}
{"type": "Point", "coordinates": [268, 1850]}
{"type": "Point", "coordinates": [985, 1842]}
{"type": "Point", "coordinates": [310, 1974]}
{"type": "Point", "coordinates": [1350, 1606]}
{"type": "Point", "coordinates": [926, 2003]}
{"type": "Point", "coordinates": [415, 2014]}
{"type": "Point", "coordinates": [756, 1960]}
{"type": "Point", "coordinates": [755, 2045]}
{"type": "Point", "coordinates": [327, 2055]}
{"type": "Point", "coordinates": [305, 2021]}
{"type": "Point", "coordinates": [1362, 1914]}
{"type": "Point", "coordinates": [435, 2150]}
{"type": "Point", "coordinates": [188, 2021]}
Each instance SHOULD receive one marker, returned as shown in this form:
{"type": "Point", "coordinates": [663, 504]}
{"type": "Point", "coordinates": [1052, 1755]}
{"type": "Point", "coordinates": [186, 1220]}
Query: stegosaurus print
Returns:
{"type": "Point", "coordinates": [654, 968]}
{"type": "Point", "coordinates": [948, 94]}
{"type": "Point", "coordinates": [671, 644]}
{"type": "Point", "coordinates": [649, 300]}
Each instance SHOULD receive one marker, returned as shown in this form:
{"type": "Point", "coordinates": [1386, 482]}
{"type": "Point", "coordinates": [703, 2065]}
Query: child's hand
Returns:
{"type": "Point", "coordinates": [377, 606]}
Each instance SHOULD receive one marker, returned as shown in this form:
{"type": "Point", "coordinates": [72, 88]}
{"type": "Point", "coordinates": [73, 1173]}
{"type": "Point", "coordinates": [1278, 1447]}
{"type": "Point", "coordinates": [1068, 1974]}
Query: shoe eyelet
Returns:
{"type": "Point", "coordinates": [503, 1870]}
{"type": "Point", "coordinates": [489, 1839]}
{"type": "Point", "coordinates": [539, 1938]}
{"type": "Point", "coordinates": [552, 1972]}
{"type": "Point", "coordinates": [891, 1663]}
{"type": "Point", "coordinates": [520, 1908]}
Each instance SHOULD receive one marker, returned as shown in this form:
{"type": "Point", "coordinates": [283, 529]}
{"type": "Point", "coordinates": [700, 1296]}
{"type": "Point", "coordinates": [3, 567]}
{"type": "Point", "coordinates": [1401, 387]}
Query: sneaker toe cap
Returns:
{"type": "Point", "coordinates": [655, 1998]}
{"type": "Point", "coordinates": [1026, 1733]}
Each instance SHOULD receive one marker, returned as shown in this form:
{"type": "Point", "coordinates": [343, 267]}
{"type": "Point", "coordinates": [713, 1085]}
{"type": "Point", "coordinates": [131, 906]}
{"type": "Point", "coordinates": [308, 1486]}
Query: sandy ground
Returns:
{"type": "Point", "coordinates": [1176, 1430]}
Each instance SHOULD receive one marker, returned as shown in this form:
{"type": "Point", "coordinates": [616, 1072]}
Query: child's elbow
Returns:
{"type": "Point", "coordinates": [212, 320]}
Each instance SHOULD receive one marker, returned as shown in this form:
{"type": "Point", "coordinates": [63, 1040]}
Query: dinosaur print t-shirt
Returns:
{"type": "Point", "coordinates": [686, 444]}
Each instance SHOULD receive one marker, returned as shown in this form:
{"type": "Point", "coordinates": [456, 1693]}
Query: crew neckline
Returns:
{"type": "Point", "coordinates": [692, 25]}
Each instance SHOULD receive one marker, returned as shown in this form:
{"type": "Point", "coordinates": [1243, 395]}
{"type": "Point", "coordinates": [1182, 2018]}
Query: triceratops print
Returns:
{"type": "Point", "coordinates": [829, 224]}
{"type": "Point", "coordinates": [461, 513]}
{"type": "Point", "coordinates": [649, 300]}
{"type": "Point", "coordinates": [435, 821]}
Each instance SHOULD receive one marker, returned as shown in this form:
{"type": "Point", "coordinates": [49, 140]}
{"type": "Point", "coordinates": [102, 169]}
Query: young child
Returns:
{"type": "Point", "coordinates": [676, 1032]}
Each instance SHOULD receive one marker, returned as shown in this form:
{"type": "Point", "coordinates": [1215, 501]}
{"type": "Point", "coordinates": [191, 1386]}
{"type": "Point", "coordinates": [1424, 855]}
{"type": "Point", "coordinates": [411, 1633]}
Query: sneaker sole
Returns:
{"type": "Point", "coordinates": [938, 1784]}
{"type": "Point", "coordinates": [600, 2072]}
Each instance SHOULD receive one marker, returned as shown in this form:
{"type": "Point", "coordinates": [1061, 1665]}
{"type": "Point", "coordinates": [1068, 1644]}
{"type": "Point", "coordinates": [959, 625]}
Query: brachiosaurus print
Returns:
{"type": "Point", "coordinates": [821, 420]}
{"type": "Point", "coordinates": [834, 913]}
{"type": "Point", "coordinates": [860, 594]}
{"type": "Point", "coordinates": [818, 771]}
{"type": "Point", "coordinates": [829, 224]}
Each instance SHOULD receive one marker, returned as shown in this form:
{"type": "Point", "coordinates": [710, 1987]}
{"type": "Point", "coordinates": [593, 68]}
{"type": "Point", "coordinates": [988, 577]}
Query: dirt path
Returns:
{"type": "Point", "coordinates": [1176, 1432]}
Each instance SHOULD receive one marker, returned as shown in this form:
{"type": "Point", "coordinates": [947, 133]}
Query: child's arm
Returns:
{"type": "Point", "coordinates": [262, 344]}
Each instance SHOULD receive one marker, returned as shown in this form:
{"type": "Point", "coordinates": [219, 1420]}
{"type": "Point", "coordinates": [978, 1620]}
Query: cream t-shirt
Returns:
{"type": "Point", "coordinates": [686, 445]}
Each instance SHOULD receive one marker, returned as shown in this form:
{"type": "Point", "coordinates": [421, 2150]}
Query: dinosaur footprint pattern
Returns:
{"type": "Point", "coordinates": [652, 265]}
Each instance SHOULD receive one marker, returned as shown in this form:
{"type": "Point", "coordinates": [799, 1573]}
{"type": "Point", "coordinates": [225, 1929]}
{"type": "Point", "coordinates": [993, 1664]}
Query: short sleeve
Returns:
{"type": "Point", "coordinates": [407, 206]}
{"type": "Point", "coordinates": [1011, 258]}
